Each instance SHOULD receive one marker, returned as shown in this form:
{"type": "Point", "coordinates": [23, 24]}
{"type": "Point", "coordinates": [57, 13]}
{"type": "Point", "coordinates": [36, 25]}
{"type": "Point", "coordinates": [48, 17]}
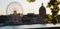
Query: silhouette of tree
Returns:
{"type": "Point", "coordinates": [53, 5]}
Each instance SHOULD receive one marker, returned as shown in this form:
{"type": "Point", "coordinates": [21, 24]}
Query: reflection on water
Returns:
{"type": "Point", "coordinates": [7, 27]}
{"type": "Point", "coordinates": [30, 26]}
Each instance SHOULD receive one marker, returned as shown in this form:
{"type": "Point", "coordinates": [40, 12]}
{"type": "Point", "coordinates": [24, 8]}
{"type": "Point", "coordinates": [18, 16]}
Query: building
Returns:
{"type": "Point", "coordinates": [42, 10]}
{"type": "Point", "coordinates": [36, 18]}
{"type": "Point", "coordinates": [30, 18]}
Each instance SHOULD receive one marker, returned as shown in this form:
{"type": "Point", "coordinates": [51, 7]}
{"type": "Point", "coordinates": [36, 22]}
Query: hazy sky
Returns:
{"type": "Point", "coordinates": [27, 7]}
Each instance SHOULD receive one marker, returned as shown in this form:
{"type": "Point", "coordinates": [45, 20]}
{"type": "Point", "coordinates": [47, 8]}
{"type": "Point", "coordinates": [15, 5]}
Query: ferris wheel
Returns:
{"type": "Point", "coordinates": [14, 6]}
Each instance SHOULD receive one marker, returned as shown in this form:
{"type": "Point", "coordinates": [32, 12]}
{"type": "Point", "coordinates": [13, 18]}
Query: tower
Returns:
{"type": "Point", "coordinates": [42, 10]}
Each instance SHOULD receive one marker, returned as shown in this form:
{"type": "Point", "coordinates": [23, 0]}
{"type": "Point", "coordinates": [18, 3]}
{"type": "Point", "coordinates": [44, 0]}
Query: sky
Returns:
{"type": "Point", "coordinates": [27, 7]}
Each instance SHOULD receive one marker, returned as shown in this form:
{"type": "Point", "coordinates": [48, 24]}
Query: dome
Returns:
{"type": "Point", "coordinates": [42, 8]}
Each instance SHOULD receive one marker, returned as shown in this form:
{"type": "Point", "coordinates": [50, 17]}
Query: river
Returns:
{"type": "Point", "coordinates": [30, 26]}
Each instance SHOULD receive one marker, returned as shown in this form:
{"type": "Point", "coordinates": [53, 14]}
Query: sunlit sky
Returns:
{"type": "Point", "coordinates": [27, 7]}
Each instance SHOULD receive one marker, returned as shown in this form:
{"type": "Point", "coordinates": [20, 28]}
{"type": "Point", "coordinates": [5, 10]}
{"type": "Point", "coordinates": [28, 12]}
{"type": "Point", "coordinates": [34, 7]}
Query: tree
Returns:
{"type": "Point", "coordinates": [54, 10]}
{"type": "Point", "coordinates": [31, 0]}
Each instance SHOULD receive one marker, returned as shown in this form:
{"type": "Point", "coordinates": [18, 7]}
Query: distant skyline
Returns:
{"type": "Point", "coordinates": [27, 7]}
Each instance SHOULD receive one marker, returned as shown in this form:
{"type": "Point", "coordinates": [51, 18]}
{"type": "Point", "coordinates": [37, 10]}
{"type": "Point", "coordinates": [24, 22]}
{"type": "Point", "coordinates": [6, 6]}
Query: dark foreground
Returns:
{"type": "Point", "coordinates": [47, 28]}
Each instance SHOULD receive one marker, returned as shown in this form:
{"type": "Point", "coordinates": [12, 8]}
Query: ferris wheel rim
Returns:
{"type": "Point", "coordinates": [11, 4]}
